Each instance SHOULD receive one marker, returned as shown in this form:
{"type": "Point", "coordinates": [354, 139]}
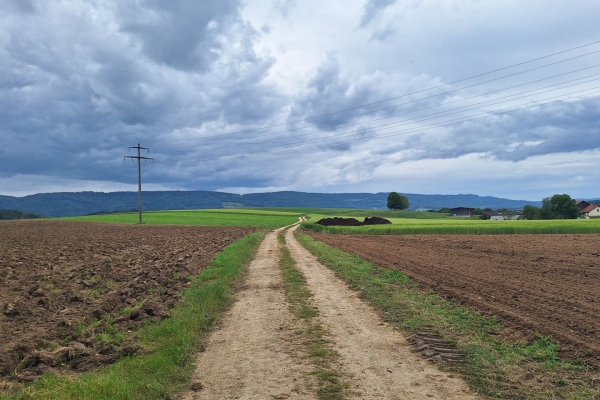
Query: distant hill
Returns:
{"type": "Point", "coordinates": [81, 203]}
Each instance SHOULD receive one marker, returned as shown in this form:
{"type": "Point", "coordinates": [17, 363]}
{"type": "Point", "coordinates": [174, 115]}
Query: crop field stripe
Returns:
{"type": "Point", "coordinates": [452, 226]}
{"type": "Point", "coordinates": [221, 217]}
{"type": "Point", "coordinates": [494, 367]}
{"type": "Point", "coordinates": [313, 336]}
{"type": "Point", "coordinates": [166, 370]}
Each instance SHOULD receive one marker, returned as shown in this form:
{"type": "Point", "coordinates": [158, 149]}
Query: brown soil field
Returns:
{"type": "Point", "coordinates": [546, 284]}
{"type": "Point", "coordinates": [66, 287]}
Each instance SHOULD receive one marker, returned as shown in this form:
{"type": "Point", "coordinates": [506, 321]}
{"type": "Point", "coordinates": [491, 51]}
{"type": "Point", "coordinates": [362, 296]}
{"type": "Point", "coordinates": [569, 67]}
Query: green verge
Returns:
{"type": "Point", "coordinates": [493, 367]}
{"type": "Point", "coordinates": [329, 380]}
{"type": "Point", "coordinates": [165, 369]}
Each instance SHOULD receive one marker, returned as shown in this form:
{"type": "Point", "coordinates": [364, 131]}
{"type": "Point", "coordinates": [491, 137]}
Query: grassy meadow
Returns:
{"type": "Point", "coordinates": [270, 219]}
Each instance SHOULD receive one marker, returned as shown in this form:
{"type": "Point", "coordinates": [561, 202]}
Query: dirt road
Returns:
{"type": "Point", "coordinates": [253, 354]}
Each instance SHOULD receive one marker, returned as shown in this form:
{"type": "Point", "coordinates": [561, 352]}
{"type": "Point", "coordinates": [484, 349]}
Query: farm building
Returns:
{"type": "Point", "coordinates": [592, 211]}
{"type": "Point", "coordinates": [502, 215]}
{"type": "Point", "coordinates": [461, 212]}
{"type": "Point", "coordinates": [581, 204]}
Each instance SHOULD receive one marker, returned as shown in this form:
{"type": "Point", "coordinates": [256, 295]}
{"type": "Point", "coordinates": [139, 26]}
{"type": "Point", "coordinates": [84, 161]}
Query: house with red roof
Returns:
{"type": "Point", "coordinates": [581, 204]}
{"type": "Point", "coordinates": [591, 211]}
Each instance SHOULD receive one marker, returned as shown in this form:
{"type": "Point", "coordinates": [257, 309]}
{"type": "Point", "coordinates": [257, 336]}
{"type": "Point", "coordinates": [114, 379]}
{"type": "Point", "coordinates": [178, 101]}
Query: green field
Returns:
{"type": "Point", "coordinates": [465, 226]}
{"type": "Point", "coordinates": [403, 222]}
{"type": "Point", "coordinates": [270, 219]}
{"type": "Point", "coordinates": [358, 213]}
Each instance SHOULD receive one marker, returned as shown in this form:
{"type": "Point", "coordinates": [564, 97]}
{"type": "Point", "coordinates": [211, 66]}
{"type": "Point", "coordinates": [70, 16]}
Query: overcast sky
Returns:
{"type": "Point", "coordinates": [495, 98]}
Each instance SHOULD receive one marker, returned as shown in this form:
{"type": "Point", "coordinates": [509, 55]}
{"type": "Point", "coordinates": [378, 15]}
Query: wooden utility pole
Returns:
{"type": "Point", "coordinates": [139, 159]}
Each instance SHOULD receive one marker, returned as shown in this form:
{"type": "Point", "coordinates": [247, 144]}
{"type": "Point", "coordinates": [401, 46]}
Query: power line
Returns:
{"type": "Point", "coordinates": [423, 90]}
{"type": "Point", "coordinates": [401, 132]}
{"type": "Point", "coordinates": [236, 142]}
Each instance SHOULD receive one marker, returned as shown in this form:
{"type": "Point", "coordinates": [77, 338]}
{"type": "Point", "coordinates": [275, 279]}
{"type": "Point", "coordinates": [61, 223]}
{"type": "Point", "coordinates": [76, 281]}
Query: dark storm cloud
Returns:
{"type": "Point", "coordinates": [184, 34]}
{"type": "Point", "coordinates": [329, 92]}
{"type": "Point", "coordinates": [78, 85]}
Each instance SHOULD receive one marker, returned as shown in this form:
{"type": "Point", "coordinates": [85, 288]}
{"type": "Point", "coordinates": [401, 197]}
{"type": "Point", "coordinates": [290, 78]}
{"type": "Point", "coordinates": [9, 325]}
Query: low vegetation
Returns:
{"type": "Point", "coordinates": [494, 367]}
{"type": "Point", "coordinates": [164, 368]}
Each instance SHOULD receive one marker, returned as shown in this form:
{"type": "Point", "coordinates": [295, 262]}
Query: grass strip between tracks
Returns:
{"type": "Point", "coordinates": [170, 345]}
{"type": "Point", "coordinates": [493, 367]}
{"type": "Point", "coordinates": [330, 384]}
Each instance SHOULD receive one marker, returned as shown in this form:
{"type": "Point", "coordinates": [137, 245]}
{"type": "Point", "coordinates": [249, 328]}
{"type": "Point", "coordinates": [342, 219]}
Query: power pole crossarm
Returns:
{"type": "Point", "coordinates": [139, 159]}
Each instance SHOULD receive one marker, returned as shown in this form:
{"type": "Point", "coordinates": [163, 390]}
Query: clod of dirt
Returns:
{"type": "Point", "coordinates": [337, 221]}
{"type": "Point", "coordinates": [197, 386]}
{"type": "Point", "coordinates": [10, 310]}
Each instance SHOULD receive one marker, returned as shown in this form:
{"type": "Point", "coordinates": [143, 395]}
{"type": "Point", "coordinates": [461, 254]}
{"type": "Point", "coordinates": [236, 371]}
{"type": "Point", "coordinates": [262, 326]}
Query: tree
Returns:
{"type": "Point", "coordinates": [531, 212]}
{"type": "Point", "coordinates": [562, 206]}
{"type": "Point", "coordinates": [397, 202]}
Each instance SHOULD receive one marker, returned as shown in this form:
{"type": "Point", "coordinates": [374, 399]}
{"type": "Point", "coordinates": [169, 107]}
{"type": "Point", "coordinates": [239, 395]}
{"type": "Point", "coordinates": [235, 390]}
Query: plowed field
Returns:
{"type": "Point", "coordinates": [549, 284]}
{"type": "Point", "coordinates": [73, 293]}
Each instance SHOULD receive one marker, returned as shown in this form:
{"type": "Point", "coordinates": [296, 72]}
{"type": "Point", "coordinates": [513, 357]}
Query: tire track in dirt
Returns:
{"type": "Point", "coordinates": [377, 358]}
{"type": "Point", "coordinates": [251, 355]}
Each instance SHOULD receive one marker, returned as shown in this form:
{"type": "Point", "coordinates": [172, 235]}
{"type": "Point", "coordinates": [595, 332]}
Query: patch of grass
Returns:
{"type": "Point", "coordinates": [330, 384]}
{"type": "Point", "coordinates": [165, 369]}
{"type": "Point", "coordinates": [494, 367]}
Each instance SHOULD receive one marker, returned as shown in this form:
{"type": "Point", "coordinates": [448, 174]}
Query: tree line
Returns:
{"type": "Point", "coordinates": [14, 214]}
{"type": "Point", "coordinates": [559, 206]}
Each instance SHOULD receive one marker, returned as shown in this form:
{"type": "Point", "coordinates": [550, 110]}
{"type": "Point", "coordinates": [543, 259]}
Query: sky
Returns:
{"type": "Point", "coordinates": [494, 98]}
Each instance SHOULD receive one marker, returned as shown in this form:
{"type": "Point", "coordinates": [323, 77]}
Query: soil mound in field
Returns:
{"type": "Point", "coordinates": [337, 221]}
{"type": "Point", "coordinates": [376, 221]}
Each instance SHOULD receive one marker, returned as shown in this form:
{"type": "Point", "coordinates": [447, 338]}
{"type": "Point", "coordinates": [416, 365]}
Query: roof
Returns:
{"type": "Point", "coordinates": [588, 208]}
{"type": "Point", "coordinates": [464, 208]}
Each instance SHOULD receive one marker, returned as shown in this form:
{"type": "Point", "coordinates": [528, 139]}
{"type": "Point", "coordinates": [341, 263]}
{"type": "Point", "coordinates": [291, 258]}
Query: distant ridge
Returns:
{"type": "Point", "coordinates": [81, 203]}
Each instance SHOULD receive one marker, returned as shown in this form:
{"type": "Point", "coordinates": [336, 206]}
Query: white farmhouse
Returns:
{"type": "Point", "coordinates": [590, 212]}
